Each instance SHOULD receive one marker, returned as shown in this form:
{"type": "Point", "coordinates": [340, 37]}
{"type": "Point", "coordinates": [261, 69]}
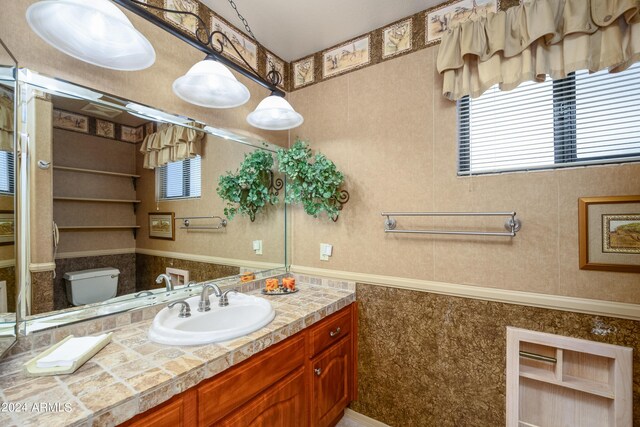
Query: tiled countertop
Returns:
{"type": "Point", "coordinates": [133, 374]}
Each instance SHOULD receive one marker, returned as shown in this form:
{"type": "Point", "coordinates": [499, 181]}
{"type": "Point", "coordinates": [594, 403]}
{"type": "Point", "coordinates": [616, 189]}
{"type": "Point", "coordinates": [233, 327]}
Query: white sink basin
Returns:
{"type": "Point", "coordinates": [243, 315]}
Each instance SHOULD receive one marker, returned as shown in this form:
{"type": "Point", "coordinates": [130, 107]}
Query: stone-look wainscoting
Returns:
{"type": "Point", "coordinates": [126, 263]}
{"type": "Point", "coordinates": [8, 274]}
{"type": "Point", "coordinates": [148, 267]}
{"type": "Point", "coordinates": [434, 360]}
{"type": "Point", "coordinates": [42, 296]}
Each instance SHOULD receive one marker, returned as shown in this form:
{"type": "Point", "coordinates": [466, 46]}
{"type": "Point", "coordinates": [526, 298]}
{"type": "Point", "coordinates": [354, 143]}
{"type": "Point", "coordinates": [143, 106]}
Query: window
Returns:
{"type": "Point", "coordinates": [179, 180]}
{"type": "Point", "coordinates": [6, 173]}
{"type": "Point", "coordinates": [579, 120]}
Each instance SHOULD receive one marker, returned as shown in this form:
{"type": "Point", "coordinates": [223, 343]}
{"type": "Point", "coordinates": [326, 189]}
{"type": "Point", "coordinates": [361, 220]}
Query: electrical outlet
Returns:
{"type": "Point", "coordinates": [325, 251]}
{"type": "Point", "coordinates": [257, 247]}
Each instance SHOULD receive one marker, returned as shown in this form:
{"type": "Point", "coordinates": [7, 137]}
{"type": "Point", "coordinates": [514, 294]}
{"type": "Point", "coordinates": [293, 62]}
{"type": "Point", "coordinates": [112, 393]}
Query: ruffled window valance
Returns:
{"type": "Point", "coordinates": [536, 39]}
{"type": "Point", "coordinates": [170, 144]}
{"type": "Point", "coordinates": [6, 124]}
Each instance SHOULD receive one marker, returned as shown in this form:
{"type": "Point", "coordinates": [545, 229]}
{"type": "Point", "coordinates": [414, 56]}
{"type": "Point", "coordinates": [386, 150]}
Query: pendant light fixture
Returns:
{"type": "Point", "coordinates": [94, 31]}
{"type": "Point", "coordinates": [210, 84]}
{"type": "Point", "coordinates": [98, 32]}
{"type": "Point", "coordinates": [274, 113]}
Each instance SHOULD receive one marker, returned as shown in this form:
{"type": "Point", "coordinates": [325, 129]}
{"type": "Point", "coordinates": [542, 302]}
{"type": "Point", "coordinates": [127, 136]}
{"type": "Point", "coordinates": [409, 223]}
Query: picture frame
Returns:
{"type": "Point", "coordinates": [7, 227]}
{"type": "Point", "coordinates": [439, 19]}
{"type": "Point", "coordinates": [303, 72]}
{"type": "Point", "coordinates": [346, 57]}
{"type": "Point", "coordinates": [397, 38]}
{"type": "Point", "coordinates": [162, 225]}
{"type": "Point", "coordinates": [105, 129]}
{"type": "Point", "coordinates": [131, 134]}
{"type": "Point", "coordinates": [609, 233]}
{"type": "Point", "coordinates": [247, 48]}
{"type": "Point", "coordinates": [70, 121]}
{"type": "Point", "coordinates": [185, 22]}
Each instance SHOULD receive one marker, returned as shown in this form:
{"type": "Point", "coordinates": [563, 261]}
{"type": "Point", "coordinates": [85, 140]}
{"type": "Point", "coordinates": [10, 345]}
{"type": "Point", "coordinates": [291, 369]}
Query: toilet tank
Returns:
{"type": "Point", "coordinates": [91, 286]}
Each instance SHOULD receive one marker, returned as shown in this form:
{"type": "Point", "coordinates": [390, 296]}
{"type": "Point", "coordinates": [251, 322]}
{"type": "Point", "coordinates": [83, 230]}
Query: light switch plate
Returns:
{"type": "Point", "coordinates": [325, 251]}
{"type": "Point", "coordinates": [257, 247]}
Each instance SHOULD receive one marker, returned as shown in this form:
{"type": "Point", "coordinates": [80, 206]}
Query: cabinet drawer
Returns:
{"type": "Point", "coordinates": [330, 330]}
{"type": "Point", "coordinates": [235, 387]}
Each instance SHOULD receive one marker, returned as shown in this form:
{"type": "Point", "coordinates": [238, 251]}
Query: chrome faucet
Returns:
{"type": "Point", "coordinates": [167, 281]}
{"type": "Point", "coordinates": [205, 304]}
{"type": "Point", "coordinates": [143, 293]}
{"type": "Point", "coordinates": [185, 310]}
{"type": "Point", "coordinates": [224, 299]}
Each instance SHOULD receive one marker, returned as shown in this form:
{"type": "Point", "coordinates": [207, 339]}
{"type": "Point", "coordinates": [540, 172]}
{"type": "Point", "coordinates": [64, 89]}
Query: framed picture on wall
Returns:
{"type": "Point", "coordinates": [7, 228]}
{"type": "Point", "coordinates": [162, 225]}
{"type": "Point", "coordinates": [609, 233]}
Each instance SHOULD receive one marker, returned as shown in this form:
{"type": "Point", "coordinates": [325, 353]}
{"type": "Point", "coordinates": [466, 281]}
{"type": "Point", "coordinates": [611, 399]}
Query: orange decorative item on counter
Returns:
{"type": "Point", "coordinates": [271, 285]}
{"type": "Point", "coordinates": [247, 277]}
{"type": "Point", "coordinates": [289, 283]}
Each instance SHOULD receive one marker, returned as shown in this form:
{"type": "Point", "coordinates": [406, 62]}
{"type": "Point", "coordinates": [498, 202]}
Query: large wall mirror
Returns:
{"type": "Point", "coordinates": [8, 289]}
{"type": "Point", "coordinates": [108, 215]}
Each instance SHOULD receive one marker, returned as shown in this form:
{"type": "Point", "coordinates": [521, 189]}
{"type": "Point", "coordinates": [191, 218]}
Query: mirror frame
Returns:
{"type": "Point", "coordinates": [12, 336]}
{"type": "Point", "coordinates": [27, 324]}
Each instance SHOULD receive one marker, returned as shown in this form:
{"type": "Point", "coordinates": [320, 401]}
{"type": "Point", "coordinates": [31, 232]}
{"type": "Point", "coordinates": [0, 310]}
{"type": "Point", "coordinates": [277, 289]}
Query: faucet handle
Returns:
{"type": "Point", "coordinates": [224, 299]}
{"type": "Point", "coordinates": [185, 310]}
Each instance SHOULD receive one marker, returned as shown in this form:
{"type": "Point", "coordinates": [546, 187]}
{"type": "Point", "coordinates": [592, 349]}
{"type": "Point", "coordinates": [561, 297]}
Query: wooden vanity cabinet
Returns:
{"type": "Point", "coordinates": [306, 380]}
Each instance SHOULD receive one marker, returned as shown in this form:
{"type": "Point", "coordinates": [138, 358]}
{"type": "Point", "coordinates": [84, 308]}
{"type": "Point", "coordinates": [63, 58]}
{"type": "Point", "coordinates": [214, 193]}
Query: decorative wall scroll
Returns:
{"type": "Point", "coordinates": [440, 19]}
{"type": "Point", "coordinates": [351, 55]}
{"type": "Point", "coordinates": [247, 48]}
{"type": "Point", "coordinates": [303, 72]}
{"type": "Point", "coordinates": [185, 22]}
{"type": "Point", "coordinates": [397, 38]}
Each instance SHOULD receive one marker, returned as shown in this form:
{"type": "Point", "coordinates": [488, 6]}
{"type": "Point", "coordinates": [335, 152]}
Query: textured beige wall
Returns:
{"type": "Point", "coordinates": [392, 133]}
{"type": "Point", "coordinates": [235, 241]}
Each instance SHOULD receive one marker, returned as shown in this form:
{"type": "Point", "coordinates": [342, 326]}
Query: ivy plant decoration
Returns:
{"type": "Point", "coordinates": [315, 185]}
{"type": "Point", "coordinates": [251, 188]}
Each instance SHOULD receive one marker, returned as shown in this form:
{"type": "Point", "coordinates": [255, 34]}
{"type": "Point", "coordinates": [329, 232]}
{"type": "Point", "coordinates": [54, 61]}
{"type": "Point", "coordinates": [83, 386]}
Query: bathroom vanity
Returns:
{"type": "Point", "coordinates": [299, 370]}
{"type": "Point", "coordinates": [307, 379]}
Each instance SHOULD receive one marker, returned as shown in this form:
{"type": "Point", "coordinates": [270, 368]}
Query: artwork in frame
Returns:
{"type": "Point", "coordinates": [162, 225]}
{"type": "Point", "coordinates": [273, 62]}
{"type": "Point", "coordinates": [185, 22]}
{"type": "Point", "coordinates": [346, 57]}
{"type": "Point", "coordinates": [7, 228]}
{"type": "Point", "coordinates": [105, 129]}
{"type": "Point", "coordinates": [70, 121]}
{"type": "Point", "coordinates": [247, 48]}
{"type": "Point", "coordinates": [609, 233]}
{"type": "Point", "coordinates": [131, 134]}
{"type": "Point", "coordinates": [303, 72]}
{"type": "Point", "coordinates": [439, 20]}
{"type": "Point", "coordinates": [396, 38]}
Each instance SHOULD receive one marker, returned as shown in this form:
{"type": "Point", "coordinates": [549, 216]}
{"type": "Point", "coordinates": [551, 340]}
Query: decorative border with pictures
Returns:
{"type": "Point", "coordinates": [453, 11]}
{"type": "Point", "coordinates": [70, 121]}
{"type": "Point", "coordinates": [594, 234]}
{"type": "Point", "coordinates": [339, 52]}
{"type": "Point", "coordinates": [120, 132]}
{"type": "Point", "coordinates": [187, 23]}
{"type": "Point", "coordinates": [279, 64]}
{"type": "Point", "coordinates": [243, 42]}
{"type": "Point", "coordinates": [168, 217]}
{"type": "Point", "coordinates": [309, 65]}
{"type": "Point", "coordinates": [7, 227]}
{"type": "Point", "coordinates": [407, 25]}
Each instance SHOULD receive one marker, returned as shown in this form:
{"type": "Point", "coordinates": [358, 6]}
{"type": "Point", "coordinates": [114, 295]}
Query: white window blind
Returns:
{"type": "Point", "coordinates": [6, 173]}
{"type": "Point", "coordinates": [580, 120]}
{"type": "Point", "coordinates": [179, 180]}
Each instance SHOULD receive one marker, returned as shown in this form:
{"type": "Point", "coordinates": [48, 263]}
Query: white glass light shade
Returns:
{"type": "Point", "coordinates": [210, 84]}
{"type": "Point", "coordinates": [94, 31]}
{"type": "Point", "coordinates": [274, 113]}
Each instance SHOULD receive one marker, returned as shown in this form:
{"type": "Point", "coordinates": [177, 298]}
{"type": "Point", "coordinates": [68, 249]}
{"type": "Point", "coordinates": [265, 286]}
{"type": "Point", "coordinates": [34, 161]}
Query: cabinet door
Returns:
{"type": "Point", "coordinates": [330, 383]}
{"type": "Point", "coordinates": [282, 405]}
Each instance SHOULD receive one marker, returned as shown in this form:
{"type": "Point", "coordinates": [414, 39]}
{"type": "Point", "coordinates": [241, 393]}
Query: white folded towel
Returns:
{"type": "Point", "coordinates": [69, 352]}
